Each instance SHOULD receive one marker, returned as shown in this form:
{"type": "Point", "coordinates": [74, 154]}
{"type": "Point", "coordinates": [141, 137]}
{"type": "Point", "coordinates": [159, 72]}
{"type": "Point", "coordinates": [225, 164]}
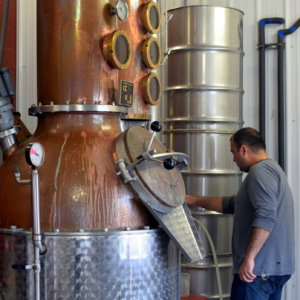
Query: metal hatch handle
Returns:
{"type": "Point", "coordinates": [169, 159]}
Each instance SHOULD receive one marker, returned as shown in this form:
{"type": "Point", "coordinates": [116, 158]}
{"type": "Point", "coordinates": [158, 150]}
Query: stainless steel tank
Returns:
{"type": "Point", "coordinates": [140, 264]}
{"type": "Point", "coordinates": [204, 108]}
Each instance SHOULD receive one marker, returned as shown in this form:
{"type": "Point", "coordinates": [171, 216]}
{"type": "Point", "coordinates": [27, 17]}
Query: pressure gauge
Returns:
{"type": "Point", "coordinates": [34, 154]}
{"type": "Point", "coordinates": [121, 10]}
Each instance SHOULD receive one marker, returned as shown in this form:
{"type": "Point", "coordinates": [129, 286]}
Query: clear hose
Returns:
{"type": "Point", "coordinates": [213, 250]}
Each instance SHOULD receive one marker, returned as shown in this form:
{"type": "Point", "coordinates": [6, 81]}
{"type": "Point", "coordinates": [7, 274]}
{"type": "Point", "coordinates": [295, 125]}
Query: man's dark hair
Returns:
{"type": "Point", "coordinates": [249, 137]}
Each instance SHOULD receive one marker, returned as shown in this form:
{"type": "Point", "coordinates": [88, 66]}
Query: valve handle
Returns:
{"type": "Point", "coordinates": [169, 163]}
{"type": "Point", "coordinates": [156, 126]}
{"type": "Point", "coordinates": [25, 267]}
{"type": "Point", "coordinates": [19, 267]}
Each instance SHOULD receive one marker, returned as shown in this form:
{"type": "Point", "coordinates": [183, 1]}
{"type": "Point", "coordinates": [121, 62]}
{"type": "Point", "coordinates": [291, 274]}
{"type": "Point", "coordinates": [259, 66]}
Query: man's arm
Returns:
{"type": "Point", "coordinates": [258, 238]}
{"type": "Point", "coordinates": [214, 204]}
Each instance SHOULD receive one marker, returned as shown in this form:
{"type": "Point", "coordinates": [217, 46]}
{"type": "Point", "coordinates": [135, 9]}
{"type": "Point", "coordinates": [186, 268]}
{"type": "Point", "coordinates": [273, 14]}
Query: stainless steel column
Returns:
{"type": "Point", "coordinates": [204, 108]}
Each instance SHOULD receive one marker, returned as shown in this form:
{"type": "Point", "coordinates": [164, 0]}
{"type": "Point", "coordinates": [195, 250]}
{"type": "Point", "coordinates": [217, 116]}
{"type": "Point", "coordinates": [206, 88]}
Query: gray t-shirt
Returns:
{"type": "Point", "coordinates": [264, 200]}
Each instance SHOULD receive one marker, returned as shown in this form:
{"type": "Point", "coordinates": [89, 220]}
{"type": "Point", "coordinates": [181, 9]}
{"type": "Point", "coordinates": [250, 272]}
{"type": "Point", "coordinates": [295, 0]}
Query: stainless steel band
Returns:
{"type": "Point", "coordinates": [35, 110]}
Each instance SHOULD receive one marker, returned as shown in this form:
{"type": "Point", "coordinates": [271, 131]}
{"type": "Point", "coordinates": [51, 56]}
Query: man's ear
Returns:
{"type": "Point", "coordinates": [244, 149]}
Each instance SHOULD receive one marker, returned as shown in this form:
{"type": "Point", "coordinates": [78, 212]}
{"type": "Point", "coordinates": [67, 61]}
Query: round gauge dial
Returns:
{"type": "Point", "coordinates": [122, 10]}
{"type": "Point", "coordinates": [34, 154]}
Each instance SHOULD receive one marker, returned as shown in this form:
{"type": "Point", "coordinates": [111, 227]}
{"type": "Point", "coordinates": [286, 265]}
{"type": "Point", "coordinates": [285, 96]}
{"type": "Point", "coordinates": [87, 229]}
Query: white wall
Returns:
{"type": "Point", "coordinates": [26, 60]}
{"type": "Point", "coordinates": [254, 10]}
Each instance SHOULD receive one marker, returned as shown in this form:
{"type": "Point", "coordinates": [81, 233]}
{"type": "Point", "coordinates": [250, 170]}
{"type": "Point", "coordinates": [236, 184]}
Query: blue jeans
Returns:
{"type": "Point", "coordinates": [259, 289]}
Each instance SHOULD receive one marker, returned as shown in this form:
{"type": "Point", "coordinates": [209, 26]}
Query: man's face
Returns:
{"type": "Point", "coordinates": [239, 156]}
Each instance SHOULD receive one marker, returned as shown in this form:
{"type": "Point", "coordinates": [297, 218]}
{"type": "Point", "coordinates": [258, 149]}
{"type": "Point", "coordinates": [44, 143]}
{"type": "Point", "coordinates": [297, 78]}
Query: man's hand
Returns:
{"type": "Point", "coordinates": [246, 269]}
{"type": "Point", "coordinates": [258, 238]}
{"type": "Point", "coordinates": [191, 201]}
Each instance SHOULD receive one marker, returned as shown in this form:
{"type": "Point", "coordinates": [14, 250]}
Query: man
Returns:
{"type": "Point", "coordinates": [263, 232]}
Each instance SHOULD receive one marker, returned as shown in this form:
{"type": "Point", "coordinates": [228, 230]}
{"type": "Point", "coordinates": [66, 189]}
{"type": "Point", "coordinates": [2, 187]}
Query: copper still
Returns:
{"type": "Point", "coordinates": [79, 145]}
{"type": "Point", "coordinates": [98, 229]}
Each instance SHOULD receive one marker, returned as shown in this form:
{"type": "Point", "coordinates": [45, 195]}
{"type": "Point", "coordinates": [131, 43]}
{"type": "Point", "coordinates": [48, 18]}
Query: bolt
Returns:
{"type": "Point", "coordinates": [13, 227]}
{"type": "Point", "coordinates": [56, 230]}
{"type": "Point", "coordinates": [146, 227]}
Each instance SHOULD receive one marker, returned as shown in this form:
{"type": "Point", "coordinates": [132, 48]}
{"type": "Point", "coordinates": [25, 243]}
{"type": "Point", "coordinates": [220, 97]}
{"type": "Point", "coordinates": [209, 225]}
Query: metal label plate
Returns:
{"type": "Point", "coordinates": [126, 94]}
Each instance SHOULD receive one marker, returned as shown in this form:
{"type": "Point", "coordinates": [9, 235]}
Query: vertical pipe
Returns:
{"type": "Point", "coordinates": [37, 273]}
{"type": "Point", "coordinates": [3, 29]}
{"type": "Point", "coordinates": [281, 103]}
{"type": "Point", "coordinates": [36, 231]}
{"type": "Point", "coordinates": [35, 203]}
{"type": "Point", "coordinates": [262, 76]}
{"type": "Point", "coordinates": [262, 71]}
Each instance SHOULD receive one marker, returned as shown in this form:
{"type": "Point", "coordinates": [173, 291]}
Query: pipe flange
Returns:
{"type": "Point", "coordinates": [36, 110]}
{"type": "Point", "coordinates": [9, 132]}
{"type": "Point", "coordinates": [8, 138]}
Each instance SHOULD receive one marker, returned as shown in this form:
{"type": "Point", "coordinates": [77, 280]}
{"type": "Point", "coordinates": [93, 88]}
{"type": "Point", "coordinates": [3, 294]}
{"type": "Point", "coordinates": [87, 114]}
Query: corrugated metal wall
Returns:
{"type": "Point", "coordinates": [254, 10]}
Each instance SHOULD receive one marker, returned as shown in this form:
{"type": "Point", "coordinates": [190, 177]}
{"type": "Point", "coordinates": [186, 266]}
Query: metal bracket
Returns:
{"type": "Point", "coordinates": [180, 159]}
{"type": "Point", "coordinates": [167, 54]}
{"type": "Point", "coordinates": [124, 171]}
{"type": "Point", "coordinates": [18, 176]}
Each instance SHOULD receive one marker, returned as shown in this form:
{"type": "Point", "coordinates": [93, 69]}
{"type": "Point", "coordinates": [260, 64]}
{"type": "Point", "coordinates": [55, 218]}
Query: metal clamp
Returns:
{"type": "Point", "coordinates": [167, 54]}
{"type": "Point", "coordinates": [123, 171]}
{"type": "Point", "coordinates": [169, 159]}
{"type": "Point", "coordinates": [124, 168]}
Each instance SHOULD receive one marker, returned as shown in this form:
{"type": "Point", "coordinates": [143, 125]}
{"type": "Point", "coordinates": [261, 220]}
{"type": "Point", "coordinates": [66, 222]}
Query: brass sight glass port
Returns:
{"type": "Point", "coordinates": [150, 17]}
{"type": "Point", "coordinates": [151, 89]}
{"type": "Point", "coordinates": [117, 50]}
{"type": "Point", "coordinates": [151, 53]}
